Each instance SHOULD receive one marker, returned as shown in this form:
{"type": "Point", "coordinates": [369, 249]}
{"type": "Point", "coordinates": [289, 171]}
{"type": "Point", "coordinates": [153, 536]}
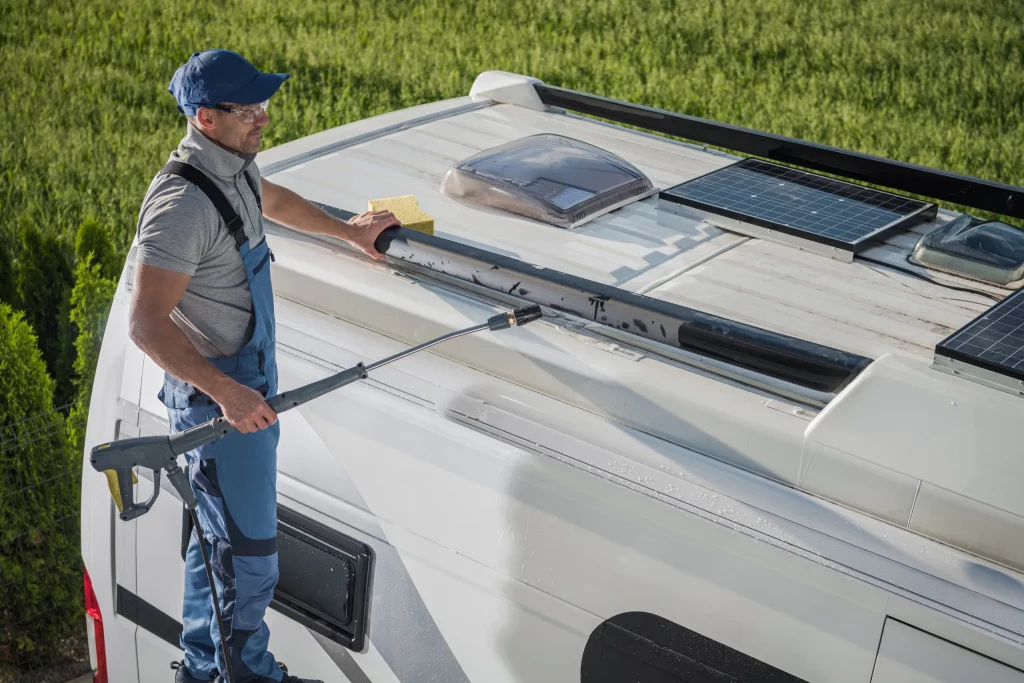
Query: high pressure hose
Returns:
{"type": "Point", "coordinates": [213, 594]}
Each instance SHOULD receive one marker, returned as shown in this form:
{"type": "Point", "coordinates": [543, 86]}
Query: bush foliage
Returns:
{"type": "Point", "coordinates": [39, 540]}
{"type": "Point", "coordinates": [90, 303]}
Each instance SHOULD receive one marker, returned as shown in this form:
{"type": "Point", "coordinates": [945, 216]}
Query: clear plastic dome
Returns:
{"type": "Point", "coordinates": [547, 177]}
{"type": "Point", "coordinates": [984, 250]}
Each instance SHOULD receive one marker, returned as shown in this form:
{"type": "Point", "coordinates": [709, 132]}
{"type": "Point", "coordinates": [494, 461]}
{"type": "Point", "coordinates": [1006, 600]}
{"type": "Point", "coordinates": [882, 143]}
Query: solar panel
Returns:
{"type": "Point", "coordinates": [806, 210]}
{"type": "Point", "coordinates": [990, 348]}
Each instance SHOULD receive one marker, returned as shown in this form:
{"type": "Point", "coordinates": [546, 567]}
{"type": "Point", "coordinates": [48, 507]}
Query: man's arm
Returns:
{"type": "Point", "coordinates": [283, 206]}
{"type": "Point", "coordinates": [157, 291]}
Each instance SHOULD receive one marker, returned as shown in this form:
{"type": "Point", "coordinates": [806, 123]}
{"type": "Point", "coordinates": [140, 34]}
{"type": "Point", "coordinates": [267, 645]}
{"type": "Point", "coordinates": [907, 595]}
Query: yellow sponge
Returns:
{"type": "Point", "coordinates": [407, 211]}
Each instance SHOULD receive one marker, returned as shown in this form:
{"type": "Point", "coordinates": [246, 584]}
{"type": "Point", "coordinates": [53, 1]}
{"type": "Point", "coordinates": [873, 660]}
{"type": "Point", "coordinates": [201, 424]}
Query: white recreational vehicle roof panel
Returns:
{"type": "Point", "coordinates": [860, 308]}
{"type": "Point", "coordinates": [609, 249]}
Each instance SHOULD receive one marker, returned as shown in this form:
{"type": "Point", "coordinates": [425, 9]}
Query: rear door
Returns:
{"type": "Point", "coordinates": [108, 544]}
{"type": "Point", "coordinates": [155, 601]}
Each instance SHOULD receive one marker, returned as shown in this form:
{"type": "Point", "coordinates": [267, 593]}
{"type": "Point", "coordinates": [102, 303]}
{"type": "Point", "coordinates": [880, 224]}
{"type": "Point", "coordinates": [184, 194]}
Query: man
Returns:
{"type": "Point", "coordinates": [203, 309]}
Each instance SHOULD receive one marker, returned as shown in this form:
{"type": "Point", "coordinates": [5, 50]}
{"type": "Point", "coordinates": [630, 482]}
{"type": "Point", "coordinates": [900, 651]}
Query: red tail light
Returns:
{"type": "Point", "coordinates": [92, 611]}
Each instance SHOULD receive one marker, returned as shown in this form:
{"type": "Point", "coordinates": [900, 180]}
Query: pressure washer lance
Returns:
{"type": "Point", "coordinates": [161, 452]}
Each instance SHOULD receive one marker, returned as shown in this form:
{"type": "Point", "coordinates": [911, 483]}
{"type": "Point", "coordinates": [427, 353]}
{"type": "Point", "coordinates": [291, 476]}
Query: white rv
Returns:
{"type": "Point", "coordinates": [764, 431]}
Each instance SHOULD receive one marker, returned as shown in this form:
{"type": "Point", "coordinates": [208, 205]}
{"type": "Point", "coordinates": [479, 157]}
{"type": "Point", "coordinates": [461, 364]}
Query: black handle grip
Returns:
{"type": "Point", "coordinates": [296, 397]}
{"type": "Point", "coordinates": [132, 509]}
{"type": "Point", "coordinates": [129, 508]}
{"type": "Point", "coordinates": [121, 457]}
{"type": "Point", "coordinates": [383, 241]}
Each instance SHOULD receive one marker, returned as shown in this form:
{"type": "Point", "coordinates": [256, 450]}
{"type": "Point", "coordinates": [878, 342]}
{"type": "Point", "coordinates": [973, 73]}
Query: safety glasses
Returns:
{"type": "Point", "coordinates": [245, 113]}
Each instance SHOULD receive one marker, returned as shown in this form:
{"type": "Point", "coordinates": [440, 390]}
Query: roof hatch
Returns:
{"type": "Point", "coordinates": [550, 178]}
{"type": "Point", "coordinates": [991, 251]}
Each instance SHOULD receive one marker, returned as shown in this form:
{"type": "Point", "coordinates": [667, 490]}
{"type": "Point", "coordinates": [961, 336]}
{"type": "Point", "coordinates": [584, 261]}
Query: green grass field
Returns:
{"type": "Point", "coordinates": [87, 120]}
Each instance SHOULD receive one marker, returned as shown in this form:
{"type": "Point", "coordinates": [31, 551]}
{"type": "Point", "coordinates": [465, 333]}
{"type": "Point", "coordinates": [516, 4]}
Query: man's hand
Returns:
{"type": "Point", "coordinates": [366, 227]}
{"type": "Point", "coordinates": [245, 409]}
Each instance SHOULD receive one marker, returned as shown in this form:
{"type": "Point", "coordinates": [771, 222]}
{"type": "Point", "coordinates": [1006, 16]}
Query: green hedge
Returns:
{"type": "Point", "coordinates": [42, 281]}
{"type": "Point", "coordinates": [90, 304]}
{"type": "Point", "coordinates": [40, 565]}
{"type": "Point", "coordinates": [41, 452]}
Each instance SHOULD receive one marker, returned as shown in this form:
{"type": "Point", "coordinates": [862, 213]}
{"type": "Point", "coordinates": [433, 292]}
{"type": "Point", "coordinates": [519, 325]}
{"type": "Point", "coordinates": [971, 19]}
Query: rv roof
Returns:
{"type": "Point", "coordinates": [922, 449]}
{"type": "Point", "coordinates": [863, 307]}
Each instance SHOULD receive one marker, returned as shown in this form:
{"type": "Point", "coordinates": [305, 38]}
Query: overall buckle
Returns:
{"type": "Point", "coordinates": [235, 226]}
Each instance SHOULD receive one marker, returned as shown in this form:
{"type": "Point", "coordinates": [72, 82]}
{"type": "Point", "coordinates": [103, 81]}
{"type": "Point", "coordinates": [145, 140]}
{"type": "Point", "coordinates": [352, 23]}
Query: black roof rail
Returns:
{"type": "Point", "coordinates": [797, 361]}
{"type": "Point", "coordinates": [976, 193]}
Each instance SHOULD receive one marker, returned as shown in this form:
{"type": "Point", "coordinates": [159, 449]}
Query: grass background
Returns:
{"type": "Point", "coordinates": [86, 120]}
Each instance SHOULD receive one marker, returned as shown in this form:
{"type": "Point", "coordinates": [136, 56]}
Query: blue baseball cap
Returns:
{"type": "Point", "coordinates": [215, 76]}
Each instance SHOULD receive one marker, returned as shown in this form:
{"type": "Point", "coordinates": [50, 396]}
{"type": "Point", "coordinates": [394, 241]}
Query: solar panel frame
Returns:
{"type": "Point", "coordinates": [868, 202]}
{"type": "Point", "coordinates": [1001, 329]}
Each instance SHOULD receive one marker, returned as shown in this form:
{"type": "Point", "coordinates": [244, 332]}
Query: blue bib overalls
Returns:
{"type": "Point", "coordinates": [235, 482]}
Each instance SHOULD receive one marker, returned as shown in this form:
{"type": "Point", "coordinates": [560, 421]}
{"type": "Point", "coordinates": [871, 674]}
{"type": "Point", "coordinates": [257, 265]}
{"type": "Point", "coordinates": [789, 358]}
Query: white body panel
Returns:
{"type": "Point", "coordinates": [521, 489]}
{"type": "Point", "coordinates": [908, 655]}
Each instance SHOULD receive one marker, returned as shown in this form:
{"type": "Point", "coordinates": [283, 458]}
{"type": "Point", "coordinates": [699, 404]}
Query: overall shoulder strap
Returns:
{"type": "Point", "coordinates": [252, 186]}
{"type": "Point", "coordinates": [220, 202]}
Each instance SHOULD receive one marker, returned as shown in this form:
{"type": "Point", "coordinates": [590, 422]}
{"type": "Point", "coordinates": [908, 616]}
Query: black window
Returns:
{"type": "Point", "coordinates": [638, 646]}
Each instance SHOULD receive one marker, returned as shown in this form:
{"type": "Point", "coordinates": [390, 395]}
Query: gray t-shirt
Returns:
{"type": "Point", "coordinates": [179, 229]}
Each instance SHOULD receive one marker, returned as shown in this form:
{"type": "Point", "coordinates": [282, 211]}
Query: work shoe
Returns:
{"type": "Point", "coordinates": [182, 675]}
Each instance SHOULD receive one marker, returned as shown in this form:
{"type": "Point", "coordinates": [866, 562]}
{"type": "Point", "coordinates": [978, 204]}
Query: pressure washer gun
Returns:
{"type": "Point", "coordinates": [161, 452]}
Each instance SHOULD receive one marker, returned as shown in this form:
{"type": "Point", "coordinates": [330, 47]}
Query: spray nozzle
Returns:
{"type": "Point", "coordinates": [520, 316]}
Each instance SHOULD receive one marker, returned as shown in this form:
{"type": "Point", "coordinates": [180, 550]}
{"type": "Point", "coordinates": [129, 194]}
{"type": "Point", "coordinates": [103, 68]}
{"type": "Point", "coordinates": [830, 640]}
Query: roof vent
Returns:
{"type": "Point", "coordinates": [990, 251]}
{"type": "Point", "coordinates": [551, 178]}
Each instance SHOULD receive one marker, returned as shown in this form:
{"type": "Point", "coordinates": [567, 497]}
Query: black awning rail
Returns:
{"type": "Point", "coordinates": [976, 193]}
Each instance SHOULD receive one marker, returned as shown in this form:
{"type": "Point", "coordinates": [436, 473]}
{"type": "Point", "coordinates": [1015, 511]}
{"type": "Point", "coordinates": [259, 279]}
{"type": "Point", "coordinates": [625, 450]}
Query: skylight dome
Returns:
{"type": "Point", "coordinates": [547, 177]}
{"type": "Point", "coordinates": [991, 251]}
